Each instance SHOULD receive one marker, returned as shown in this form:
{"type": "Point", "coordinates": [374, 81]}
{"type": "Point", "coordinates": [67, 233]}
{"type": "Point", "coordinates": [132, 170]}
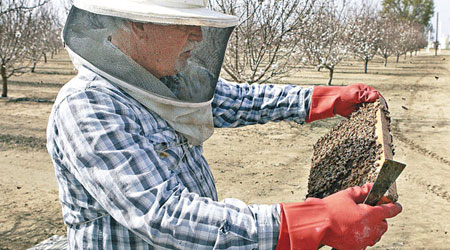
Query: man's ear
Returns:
{"type": "Point", "coordinates": [137, 29]}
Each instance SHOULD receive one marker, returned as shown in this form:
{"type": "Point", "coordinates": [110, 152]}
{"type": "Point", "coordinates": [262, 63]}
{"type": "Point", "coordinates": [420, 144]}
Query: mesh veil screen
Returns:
{"type": "Point", "coordinates": [88, 35]}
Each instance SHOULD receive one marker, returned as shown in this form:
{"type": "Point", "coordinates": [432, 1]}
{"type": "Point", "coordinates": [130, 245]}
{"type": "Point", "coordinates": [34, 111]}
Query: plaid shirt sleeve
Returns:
{"type": "Point", "coordinates": [105, 164]}
{"type": "Point", "coordinates": [236, 105]}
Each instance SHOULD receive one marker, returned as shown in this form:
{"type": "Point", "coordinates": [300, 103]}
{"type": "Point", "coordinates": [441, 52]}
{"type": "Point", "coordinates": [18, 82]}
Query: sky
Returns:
{"type": "Point", "coordinates": [443, 7]}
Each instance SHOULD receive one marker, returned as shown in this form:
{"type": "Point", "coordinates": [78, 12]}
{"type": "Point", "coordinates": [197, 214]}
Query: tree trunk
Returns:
{"type": "Point", "coordinates": [5, 81]}
{"type": "Point", "coordinates": [410, 53]}
{"type": "Point", "coordinates": [331, 69]}
{"type": "Point", "coordinates": [366, 64]}
{"type": "Point", "coordinates": [398, 57]}
{"type": "Point", "coordinates": [45, 57]}
{"type": "Point", "coordinates": [34, 67]}
{"type": "Point", "coordinates": [53, 53]}
{"type": "Point", "coordinates": [385, 61]}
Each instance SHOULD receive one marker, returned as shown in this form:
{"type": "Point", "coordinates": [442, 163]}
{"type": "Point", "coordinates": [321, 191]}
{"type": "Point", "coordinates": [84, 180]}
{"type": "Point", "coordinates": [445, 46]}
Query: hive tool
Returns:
{"type": "Point", "coordinates": [386, 177]}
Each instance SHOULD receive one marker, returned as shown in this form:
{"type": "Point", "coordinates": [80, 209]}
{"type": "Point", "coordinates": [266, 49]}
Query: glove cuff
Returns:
{"type": "Point", "coordinates": [323, 100]}
{"type": "Point", "coordinates": [303, 225]}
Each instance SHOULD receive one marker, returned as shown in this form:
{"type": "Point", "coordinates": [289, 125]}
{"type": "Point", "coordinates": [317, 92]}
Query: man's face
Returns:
{"type": "Point", "coordinates": [164, 49]}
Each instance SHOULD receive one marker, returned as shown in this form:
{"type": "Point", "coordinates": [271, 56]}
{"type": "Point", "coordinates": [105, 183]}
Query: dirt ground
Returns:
{"type": "Point", "coordinates": [257, 164]}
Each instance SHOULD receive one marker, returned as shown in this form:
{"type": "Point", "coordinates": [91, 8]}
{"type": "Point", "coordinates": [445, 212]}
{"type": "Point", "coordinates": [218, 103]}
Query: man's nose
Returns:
{"type": "Point", "coordinates": [196, 34]}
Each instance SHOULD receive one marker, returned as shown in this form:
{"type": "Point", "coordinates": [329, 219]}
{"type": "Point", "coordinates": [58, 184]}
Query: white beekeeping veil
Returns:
{"type": "Point", "coordinates": [187, 107]}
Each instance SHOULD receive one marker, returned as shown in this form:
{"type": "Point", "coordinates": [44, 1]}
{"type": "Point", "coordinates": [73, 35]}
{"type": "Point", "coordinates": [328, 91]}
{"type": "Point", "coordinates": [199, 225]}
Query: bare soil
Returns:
{"type": "Point", "coordinates": [257, 164]}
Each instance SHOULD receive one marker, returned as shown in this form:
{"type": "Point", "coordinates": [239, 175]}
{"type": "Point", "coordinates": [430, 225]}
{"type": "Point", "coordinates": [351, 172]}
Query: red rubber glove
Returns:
{"type": "Point", "coordinates": [327, 101]}
{"type": "Point", "coordinates": [338, 221]}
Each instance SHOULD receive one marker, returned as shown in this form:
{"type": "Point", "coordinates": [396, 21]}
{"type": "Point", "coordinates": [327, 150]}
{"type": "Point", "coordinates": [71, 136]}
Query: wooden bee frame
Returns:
{"type": "Point", "coordinates": [352, 153]}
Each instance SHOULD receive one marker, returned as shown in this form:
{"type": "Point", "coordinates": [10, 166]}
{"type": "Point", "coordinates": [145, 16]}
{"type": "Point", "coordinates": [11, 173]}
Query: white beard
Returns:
{"type": "Point", "coordinates": [181, 63]}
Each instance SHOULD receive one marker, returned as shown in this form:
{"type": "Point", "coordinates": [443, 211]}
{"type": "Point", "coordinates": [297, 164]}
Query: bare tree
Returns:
{"type": "Point", "coordinates": [399, 36]}
{"type": "Point", "coordinates": [7, 6]}
{"type": "Point", "coordinates": [55, 44]}
{"type": "Point", "coordinates": [401, 43]}
{"type": "Point", "coordinates": [16, 29]}
{"type": "Point", "coordinates": [416, 38]}
{"type": "Point", "coordinates": [325, 37]}
{"type": "Point", "coordinates": [365, 35]}
{"type": "Point", "coordinates": [264, 43]}
{"type": "Point", "coordinates": [45, 38]}
{"type": "Point", "coordinates": [388, 37]}
{"type": "Point", "coordinates": [421, 39]}
{"type": "Point", "coordinates": [36, 44]}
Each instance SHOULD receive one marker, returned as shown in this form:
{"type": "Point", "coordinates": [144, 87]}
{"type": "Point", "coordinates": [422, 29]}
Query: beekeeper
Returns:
{"type": "Point", "coordinates": [125, 136]}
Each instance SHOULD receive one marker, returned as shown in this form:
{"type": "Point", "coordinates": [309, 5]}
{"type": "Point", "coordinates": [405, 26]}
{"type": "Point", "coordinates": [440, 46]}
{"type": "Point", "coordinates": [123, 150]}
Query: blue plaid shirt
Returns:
{"type": "Point", "coordinates": [127, 180]}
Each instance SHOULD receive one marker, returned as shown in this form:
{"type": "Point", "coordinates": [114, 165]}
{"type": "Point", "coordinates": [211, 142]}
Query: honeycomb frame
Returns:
{"type": "Point", "coordinates": [352, 152]}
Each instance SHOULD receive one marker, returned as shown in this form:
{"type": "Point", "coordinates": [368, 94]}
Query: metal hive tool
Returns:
{"type": "Point", "coordinates": [352, 153]}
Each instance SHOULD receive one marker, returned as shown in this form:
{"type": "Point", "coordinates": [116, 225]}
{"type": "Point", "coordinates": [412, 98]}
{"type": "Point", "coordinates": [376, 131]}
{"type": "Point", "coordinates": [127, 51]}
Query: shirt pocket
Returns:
{"type": "Point", "coordinates": [226, 238]}
{"type": "Point", "coordinates": [168, 148]}
{"type": "Point", "coordinates": [182, 160]}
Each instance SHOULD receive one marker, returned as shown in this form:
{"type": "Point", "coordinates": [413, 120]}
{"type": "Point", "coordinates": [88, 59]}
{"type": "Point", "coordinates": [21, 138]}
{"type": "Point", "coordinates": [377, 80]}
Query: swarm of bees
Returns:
{"type": "Point", "coordinates": [352, 152]}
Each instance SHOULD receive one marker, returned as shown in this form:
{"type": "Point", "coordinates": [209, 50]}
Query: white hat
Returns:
{"type": "Point", "coordinates": [184, 12]}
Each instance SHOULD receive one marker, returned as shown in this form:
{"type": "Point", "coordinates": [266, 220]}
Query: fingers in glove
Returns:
{"type": "Point", "coordinates": [359, 194]}
{"type": "Point", "coordinates": [369, 94]}
{"type": "Point", "coordinates": [385, 211]}
{"type": "Point", "coordinates": [362, 93]}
